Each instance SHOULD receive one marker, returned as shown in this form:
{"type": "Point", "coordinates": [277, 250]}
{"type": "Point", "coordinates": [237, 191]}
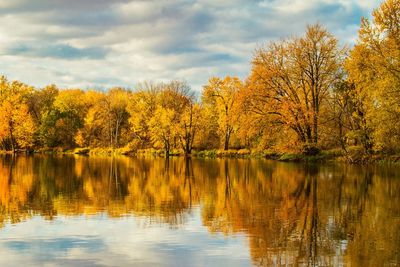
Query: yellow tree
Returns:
{"type": "Point", "coordinates": [41, 100]}
{"type": "Point", "coordinates": [141, 107]}
{"type": "Point", "coordinates": [95, 130]}
{"type": "Point", "coordinates": [16, 123]}
{"type": "Point", "coordinates": [221, 97]}
{"type": "Point", "coordinates": [374, 68]}
{"type": "Point", "coordinates": [116, 106]}
{"type": "Point", "coordinates": [173, 112]}
{"type": "Point", "coordinates": [67, 116]}
{"type": "Point", "coordinates": [291, 79]}
{"type": "Point", "coordinates": [190, 121]}
{"type": "Point", "coordinates": [161, 128]}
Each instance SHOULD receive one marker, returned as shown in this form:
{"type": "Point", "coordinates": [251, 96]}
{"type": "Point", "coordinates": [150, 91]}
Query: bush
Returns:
{"type": "Point", "coordinates": [244, 152]}
{"type": "Point", "coordinates": [82, 151]}
{"type": "Point", "coordinates": [206, 154]}
{"type": "Point", "coordinates": [271, 154]}
{"type": "Point", "coordinates": [333, 153]}
{"type": "Point", "coordinates": [291, 157]}
{"type": "Point", "coordinates": [232, 153]}
{"type": "Point", "coordinates": [356, 154]}
{"type": "Point", "coordinates": [310, 150]}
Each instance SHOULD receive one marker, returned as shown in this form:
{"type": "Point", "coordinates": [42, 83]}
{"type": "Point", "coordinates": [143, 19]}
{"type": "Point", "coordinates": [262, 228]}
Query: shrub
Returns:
{"type": "Point", "coordinates": [291, 157]}
{"type": "Point", "coordinates": [206, 154]}
{"type": "Point", "coordinates": [310, 150]}
{"type": "Point", "coordinates": [243, 152]}
{"type": "Point", "coordinates": [82, 151]}
{"type": "Point", "coordinates": [356, 154]}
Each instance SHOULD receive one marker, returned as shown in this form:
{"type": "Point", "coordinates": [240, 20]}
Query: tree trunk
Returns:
{"type": "Point", "coordinates": [315, 122]}
{"type": "Point", "coordinates": [167, 148]}
{"type": "Point", "coordinates": [116, 134]}
{"type": "Point", "coordinates": [12, 140]}
{"type": "Point", "coordinates": [111, 132]}
{"type": "Point", "coordinates": [188, 147]}
{"type": "Point", "coordinates": [227, 137]}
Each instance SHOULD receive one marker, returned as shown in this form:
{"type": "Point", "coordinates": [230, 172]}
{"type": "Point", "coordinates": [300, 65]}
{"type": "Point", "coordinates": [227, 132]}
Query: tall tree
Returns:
{"type": "Point", "coordinates": [95, 131]}
{"type": "Point", "coordinates": [374, 67]}
{"type": "Point", "coordinates": [141, 107]}
{"type": "Point", "coordinates": [116, 105]}
{"type": "Point", "coordinates": [65, 119]}
{"type": "Point", "coordinates": [173, 101]}
{"type": "Point", "coordinates": [221, 97]}
{"type": "Point", "coordinates": [291, 79]}
{"type": "Point", "coordinates": [16, 123]}
{"type": "Point", "coordinates": [189, 124]}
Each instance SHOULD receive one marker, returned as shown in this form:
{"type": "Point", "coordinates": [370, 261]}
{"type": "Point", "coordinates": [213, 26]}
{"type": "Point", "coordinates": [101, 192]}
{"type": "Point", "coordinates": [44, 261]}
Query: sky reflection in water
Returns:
{"type": "Point", "coordinates": [78, 211]}
{"type": "Point", "coordinates": [97, 240]}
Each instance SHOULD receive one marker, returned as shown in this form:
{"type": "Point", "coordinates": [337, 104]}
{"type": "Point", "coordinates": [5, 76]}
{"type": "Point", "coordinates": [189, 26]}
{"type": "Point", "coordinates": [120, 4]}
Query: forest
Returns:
{"type": "Point", "coordinates": [304, 94]}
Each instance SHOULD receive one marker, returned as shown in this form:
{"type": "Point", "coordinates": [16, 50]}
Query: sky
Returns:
{"type": "Point", "coordinates": [106, 43]}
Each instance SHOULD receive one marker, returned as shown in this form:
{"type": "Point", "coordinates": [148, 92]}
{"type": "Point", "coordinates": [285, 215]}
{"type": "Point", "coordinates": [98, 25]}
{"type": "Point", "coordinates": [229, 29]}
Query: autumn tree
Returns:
{"type": "Point", "coordinates": [40, 103]}
{"type": "Point", "coordinates": [115, 105]}
{"type": "Point", "coordinates": [189, 125]}
{"type": "Point", "coordinates": [41, 100]}
{"type": "Point", "coordinates": [65, 118]}
{"type": "Point", "coordinates": [95, 131]}
{"type": "Point", "coordinates": [164, 115]}
{"type": "Point", "coordinates": [141, 107]}
{"type": "Point", "coordinates": [221, 98]}
{"type": "Point", "coordinates": [374, 68]}
{"type": "Point", "coordinates": [16, 123]}
{"type": "Point", "coordinates": [173, 103]}
{"type": "Point", "coordinates": [291, 79]}
{"type": "Point", "coordinates": [347, 124]}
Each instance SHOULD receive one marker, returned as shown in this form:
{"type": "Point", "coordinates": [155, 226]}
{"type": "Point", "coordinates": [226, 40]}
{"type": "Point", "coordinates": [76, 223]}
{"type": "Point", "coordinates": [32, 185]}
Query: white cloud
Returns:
{"type": "Point", "coordinates": [153, 40]}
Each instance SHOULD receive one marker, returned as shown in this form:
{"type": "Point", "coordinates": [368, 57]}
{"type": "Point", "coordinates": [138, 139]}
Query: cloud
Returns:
{"type": "Point", "coordinates": [61, 51]}
{"type": "Point", "coordinates": [127, 41]}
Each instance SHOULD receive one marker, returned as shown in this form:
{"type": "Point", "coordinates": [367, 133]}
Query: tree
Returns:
{"type": "Point", "coordinates": [95, 131]}
{"type": "Point", "coordinates": [116, 107]}
{"type": "Point", "coordinates": [66, 117]}
{"type": "Point", "coordinates": [291, 79]}
{"type": "Point", "coordinates": [188, 126]}
{"type": "Point", "coordinates": [374, 68]}
{"type": "Point", "coordinates": [141, 107]}
{"type": "Point", "coordinates": [40, 103]}
{"type": "Point", "coordinates": [347, 116]}
{"type": "Point", "coordinates": [161, 128]}
{"type": "Point", "coordinates": [164, 115]}
{"type": "Point", "coordinates": [221, 95]}
{"type": "Point", "coordinates": [173, 104]}
{"type": "Point", "coordinates": [16, 123]}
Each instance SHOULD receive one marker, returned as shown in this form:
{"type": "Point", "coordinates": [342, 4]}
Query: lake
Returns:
{"type": "Point", "coordinates": [122, 211]}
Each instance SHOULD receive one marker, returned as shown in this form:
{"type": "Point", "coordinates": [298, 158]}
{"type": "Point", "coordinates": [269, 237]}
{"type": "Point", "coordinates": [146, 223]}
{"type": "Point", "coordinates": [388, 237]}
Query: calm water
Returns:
{"type": "Point", "coordinates": [79, 211]}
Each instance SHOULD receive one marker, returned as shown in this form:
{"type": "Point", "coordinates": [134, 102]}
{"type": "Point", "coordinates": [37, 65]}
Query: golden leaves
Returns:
{"type": "Point", "coordinates": [374, 68]}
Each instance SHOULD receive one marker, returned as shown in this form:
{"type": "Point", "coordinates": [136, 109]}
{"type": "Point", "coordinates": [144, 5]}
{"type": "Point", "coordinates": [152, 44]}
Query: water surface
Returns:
{"type": "Point", "coordinates": [80, 211]}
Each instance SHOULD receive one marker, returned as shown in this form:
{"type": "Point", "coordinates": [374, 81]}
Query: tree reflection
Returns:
{"type": "Point", "coordinates": [292, 214]}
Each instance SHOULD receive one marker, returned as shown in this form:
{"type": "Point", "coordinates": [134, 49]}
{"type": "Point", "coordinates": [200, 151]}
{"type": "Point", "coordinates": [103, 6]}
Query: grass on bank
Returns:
{"type": "Point", "coordinates": [353, 154]}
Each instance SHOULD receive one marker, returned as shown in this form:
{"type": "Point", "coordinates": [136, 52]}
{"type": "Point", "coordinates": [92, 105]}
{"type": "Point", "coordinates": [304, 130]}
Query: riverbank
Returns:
{"type": "Point", "coordinates": [353, 155]}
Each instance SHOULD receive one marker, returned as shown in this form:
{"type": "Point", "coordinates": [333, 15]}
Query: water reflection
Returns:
{"type": "Point", "coordinates": [292, 214]}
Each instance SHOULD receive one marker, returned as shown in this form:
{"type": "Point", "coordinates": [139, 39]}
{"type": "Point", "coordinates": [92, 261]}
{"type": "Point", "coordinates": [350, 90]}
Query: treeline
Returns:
{"type": "Point", "coordinates": [303, 93]}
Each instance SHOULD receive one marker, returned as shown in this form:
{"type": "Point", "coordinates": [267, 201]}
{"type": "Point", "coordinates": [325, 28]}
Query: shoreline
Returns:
{"type": "Point", "coordinates": [334, 155]}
